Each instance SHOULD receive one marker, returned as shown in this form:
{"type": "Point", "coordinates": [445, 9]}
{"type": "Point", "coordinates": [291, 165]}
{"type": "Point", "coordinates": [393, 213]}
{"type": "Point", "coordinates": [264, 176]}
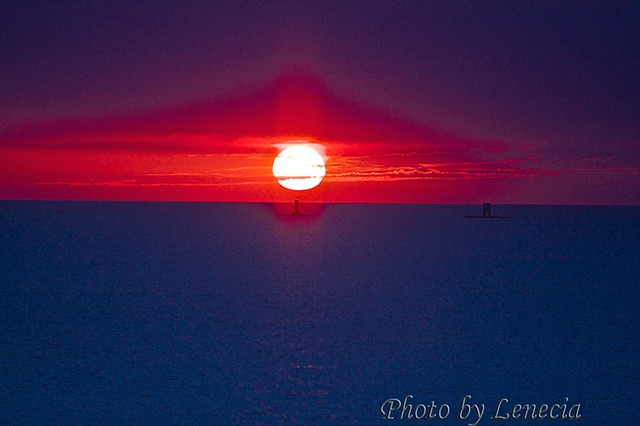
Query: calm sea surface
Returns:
{"type": "Point", "coordinates": [178, 313]}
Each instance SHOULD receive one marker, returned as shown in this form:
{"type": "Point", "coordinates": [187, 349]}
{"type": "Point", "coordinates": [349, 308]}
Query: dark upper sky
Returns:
{"type": "Point", "coordinates": [562, 76]}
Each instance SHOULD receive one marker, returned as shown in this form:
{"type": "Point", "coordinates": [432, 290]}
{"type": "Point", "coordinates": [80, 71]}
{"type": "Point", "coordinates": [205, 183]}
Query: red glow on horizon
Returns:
{"type": "Point", "coordinates": [224, 150]}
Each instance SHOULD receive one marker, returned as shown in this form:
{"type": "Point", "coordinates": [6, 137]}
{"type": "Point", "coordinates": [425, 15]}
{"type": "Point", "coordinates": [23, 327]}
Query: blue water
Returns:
{"type": "Point", "coordinates": [178, 313]}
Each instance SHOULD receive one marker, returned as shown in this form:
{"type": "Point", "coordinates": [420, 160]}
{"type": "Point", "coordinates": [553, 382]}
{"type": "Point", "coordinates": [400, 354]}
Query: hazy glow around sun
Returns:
{"type": "Point", "coordinates": [299, 167]}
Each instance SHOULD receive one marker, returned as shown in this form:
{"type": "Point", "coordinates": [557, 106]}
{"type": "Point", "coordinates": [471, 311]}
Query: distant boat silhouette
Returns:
{"type": "Point", "coordinates": [486, 213]}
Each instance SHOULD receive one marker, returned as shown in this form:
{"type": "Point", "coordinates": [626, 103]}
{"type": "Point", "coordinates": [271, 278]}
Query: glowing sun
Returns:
{"type": "Point", "coordinates": [299, 167]}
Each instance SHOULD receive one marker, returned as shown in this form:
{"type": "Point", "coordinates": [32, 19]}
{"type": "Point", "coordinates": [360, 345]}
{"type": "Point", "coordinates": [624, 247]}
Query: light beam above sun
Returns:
{"type": "Point", "coordinates": [299, 167]}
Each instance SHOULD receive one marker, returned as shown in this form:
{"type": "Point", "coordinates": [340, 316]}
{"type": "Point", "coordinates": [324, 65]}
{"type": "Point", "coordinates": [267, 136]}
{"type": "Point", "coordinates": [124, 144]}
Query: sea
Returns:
{"type": "Point", "coordinates": [351, 314]}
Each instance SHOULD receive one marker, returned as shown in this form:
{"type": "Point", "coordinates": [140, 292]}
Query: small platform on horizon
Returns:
{"type": "Point", "coordinates": [296, 210]}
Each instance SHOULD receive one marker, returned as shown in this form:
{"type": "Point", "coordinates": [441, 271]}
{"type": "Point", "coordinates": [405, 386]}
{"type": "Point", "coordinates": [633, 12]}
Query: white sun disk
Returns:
{"type": "Point", "coordinates": [299, 167]}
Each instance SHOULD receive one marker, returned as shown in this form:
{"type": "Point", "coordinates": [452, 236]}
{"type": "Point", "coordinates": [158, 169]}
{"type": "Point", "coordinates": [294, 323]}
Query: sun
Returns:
{"type": "Point", "coordinates": [299, 167]}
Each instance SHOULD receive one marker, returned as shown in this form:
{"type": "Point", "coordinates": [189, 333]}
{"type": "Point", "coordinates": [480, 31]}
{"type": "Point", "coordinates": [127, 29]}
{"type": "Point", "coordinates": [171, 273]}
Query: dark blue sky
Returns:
{"type": "Point", "coordinates": [561, 76]}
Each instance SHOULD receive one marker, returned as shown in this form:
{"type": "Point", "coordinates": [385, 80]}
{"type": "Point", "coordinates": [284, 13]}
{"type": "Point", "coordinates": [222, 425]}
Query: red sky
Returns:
{"type": "Point", "coordinates": [421, 102]}
{"type": "Point", "coordinates": [222, 150]}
